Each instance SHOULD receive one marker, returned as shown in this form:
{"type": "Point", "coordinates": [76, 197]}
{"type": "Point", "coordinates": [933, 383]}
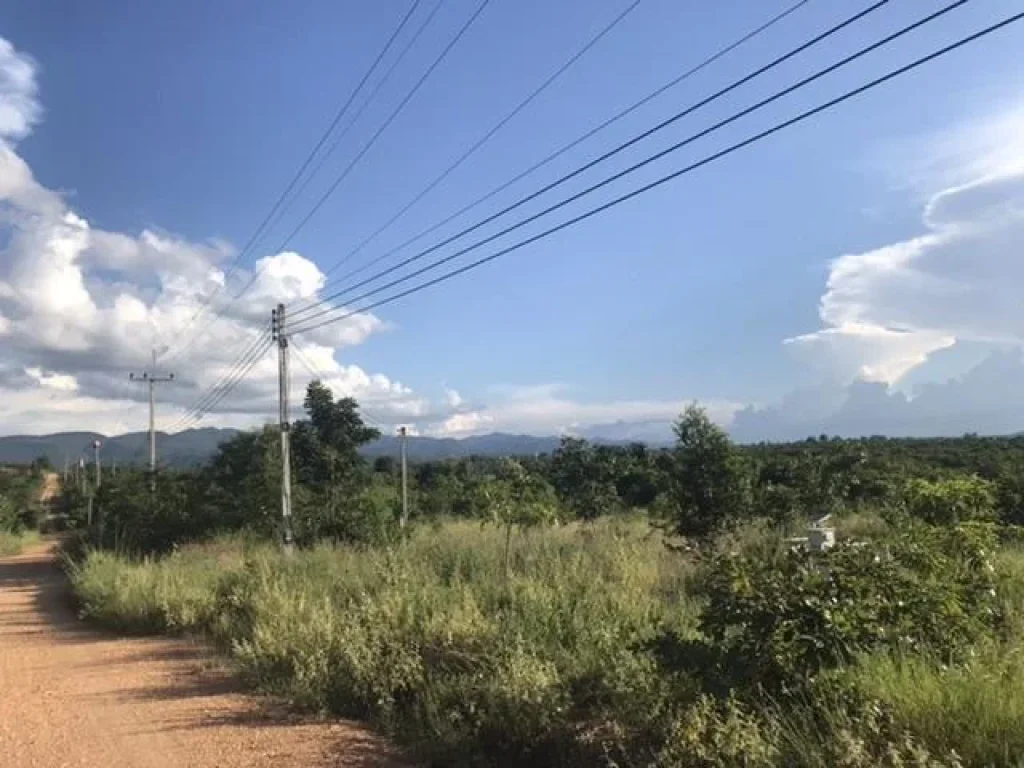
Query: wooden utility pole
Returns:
{"type": "Point", "coordinates": [403, 435]}
{"type": "Point", "coordinates": [150, 377]}
{"type": "Point", "coordinates": [278, 330]}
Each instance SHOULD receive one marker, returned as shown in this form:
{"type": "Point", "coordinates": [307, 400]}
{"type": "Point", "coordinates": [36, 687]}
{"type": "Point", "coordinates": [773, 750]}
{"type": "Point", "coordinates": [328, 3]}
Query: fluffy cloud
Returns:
{"type": "Point", "coordinates": [80, 307]}
{"type": "Point", "coordinates": [19, 107]}
{"type": "Point", "coordinates": [886, 311]}
{"type": "Point", "coordinates": [891, 310]}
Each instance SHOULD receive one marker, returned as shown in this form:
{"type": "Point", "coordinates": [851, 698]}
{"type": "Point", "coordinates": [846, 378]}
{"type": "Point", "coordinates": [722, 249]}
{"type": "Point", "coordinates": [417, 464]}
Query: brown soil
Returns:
{"type": "Point", "coordinates": [71, 696]}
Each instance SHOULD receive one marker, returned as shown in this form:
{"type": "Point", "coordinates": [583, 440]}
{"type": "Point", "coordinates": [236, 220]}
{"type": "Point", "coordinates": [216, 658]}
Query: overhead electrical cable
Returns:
{"type": "Point", "coordinates": [317, 374]}
{"type": "Point", "coordinates": [805, 115]}
{"type": "Point", "coordinates": [550, 80]}
{"type": "Point", "coordinates": [384, 79]}
{"type": "Point", "coordinates": [219, 393]}
{"type": "Point", "coordinates": [384, 126]}
{"type": "Point", "coordinates": [254, 237]}
{"type": "Point", "coordinates": [373, 140]}
{"type": "Point", "coordinates": [703, 64]}
{"type": "Point", "coordinates": [238, 370]}
{"type": "Point", "coordinates": [304, 317]}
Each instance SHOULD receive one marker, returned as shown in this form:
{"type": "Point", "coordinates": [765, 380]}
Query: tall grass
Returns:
{"type": "Point", "coordinates": [428, 638]}
{"type": "Point", "coordinates": [14, 543]}
{"type": "Point", "coordinates": [173, 594]}
{"type": "Point", "coordinates": [554, 665]}
{"type": "Point", "coordinates": [976, 710]}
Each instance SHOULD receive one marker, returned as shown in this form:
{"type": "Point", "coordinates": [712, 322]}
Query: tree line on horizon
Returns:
{"type": "Point", "coordinates": [700, 486]}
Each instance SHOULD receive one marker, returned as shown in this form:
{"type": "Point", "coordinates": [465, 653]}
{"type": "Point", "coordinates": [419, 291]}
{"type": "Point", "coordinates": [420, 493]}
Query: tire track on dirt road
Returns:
{"type": "Point", "coordinates": [70, 696]}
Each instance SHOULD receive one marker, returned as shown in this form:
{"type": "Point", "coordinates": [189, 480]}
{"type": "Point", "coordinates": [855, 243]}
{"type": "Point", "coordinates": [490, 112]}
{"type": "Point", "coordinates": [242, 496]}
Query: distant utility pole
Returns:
{"type": "Point", "coordinates": [403, 435]}
{"type": "Point", "coordinates": [150, 377]}
{"type": "Point", "coordinates": [96, 460]}
{"type": "Point", "coordinates": [99, 477]}
{"type": "Point", "coordinates": [278, 331]}
{"type": "Point", "coordinates": [81, 475]}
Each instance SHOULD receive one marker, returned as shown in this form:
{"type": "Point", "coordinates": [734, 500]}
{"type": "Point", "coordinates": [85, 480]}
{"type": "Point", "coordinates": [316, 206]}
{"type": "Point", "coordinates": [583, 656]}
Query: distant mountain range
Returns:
{"type": "Point", "coordinates": [195, 446]}
{"type": "Point", "coordinates": [494, 444]}
{"type": "Point", "coordinates": [187, 448]}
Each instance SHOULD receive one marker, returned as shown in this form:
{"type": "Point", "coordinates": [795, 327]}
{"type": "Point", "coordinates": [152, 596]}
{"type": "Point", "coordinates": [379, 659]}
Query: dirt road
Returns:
{"type": "Point", "coordinates": [70, 696]}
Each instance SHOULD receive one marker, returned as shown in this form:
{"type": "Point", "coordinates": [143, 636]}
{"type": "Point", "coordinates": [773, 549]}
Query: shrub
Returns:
{"type": "Point", "coordinates": [369, 517]}
{"type": "Point", "coordinates": [711, 734]}
{"type": "Point", "coordinates": [952, 501]}
{"type": "Point", "coordinates": [834, 724]}
{"type": "Point", "coordinates": [591, 652]}
{"type": "Point", "coordinates": [174, 594]}
{"type": "Point", "coordinates": [778, 623]}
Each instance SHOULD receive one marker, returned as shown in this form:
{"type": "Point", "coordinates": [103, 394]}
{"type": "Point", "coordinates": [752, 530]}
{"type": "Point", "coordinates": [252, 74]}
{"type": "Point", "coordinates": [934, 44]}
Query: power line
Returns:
{"type": "Point", "coordinates": [565, 66]}
{"type": "Point", "coordinates": [359, 112]}
{"type": "Point", "coordinates": [317, 374]}
{"type": "Point", "coordinates": [373, 140]}
{"type": "Point", "coordinates": [218, 394]}
{"type": "Point", "coordinates": [623, 146]}
{"type": "Point", "coordinates": [302, 169]}
{"type": "Point", "coordinates": [394, 114]}
{"type": "Point", "coordinates": [313, 369]}
{"type": "Point", "coordinates": [703, 64]}
{"type": "Point", "coordinates": [213, 396]}
{"type": "Point", "coordinates": [686, 169]}
{"type": "Point", "coordinates": [240, 353]}
{"type": "Point", "coordinates": [239, 376]}
{"type": "Point", "coordinates": [242, 365]}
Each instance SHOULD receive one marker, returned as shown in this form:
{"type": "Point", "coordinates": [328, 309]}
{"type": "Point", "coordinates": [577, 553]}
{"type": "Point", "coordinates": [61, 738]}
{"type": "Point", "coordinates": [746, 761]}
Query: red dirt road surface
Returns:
{"type": "Point", "coordinates": [70, 696]}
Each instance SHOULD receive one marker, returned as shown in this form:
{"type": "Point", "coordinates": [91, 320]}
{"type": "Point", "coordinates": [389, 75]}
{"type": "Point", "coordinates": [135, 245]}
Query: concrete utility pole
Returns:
{"type": "Point", "coordinates": [278, 331]}
{"type": "Point", "coordinates": [99, 477]}
{"type": "Point", "coordinates": [96, 461]}
{"type": "Point", "coordinates": [81, 475]}
{"type": "Point", "coordinates": [403, 435]}
{"type": "Point", "coordinates": [150, 377]}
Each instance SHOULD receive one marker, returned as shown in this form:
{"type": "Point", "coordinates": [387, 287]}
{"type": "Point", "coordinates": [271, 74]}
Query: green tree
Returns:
{"type": "Point", "coordinates": [326, 446]}
{"type": "Point", "coordinates": [243, 481]}
{"type": "Point", "coordinates": [516, 498]}
{"type": "Point", "coordinates": [584, 478]}
{"type": "Point", "coordinates": [952, 501]}
{"type": "Point", "coordinates": [709, 486]}
{"type": "Point", "coordinates": [334, 502]}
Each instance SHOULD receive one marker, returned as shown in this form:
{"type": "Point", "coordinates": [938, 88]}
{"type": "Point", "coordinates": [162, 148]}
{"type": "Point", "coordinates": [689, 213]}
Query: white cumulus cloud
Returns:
{"type": "Point", "coordinates": [887, 310]}
{"type": "Point", "coordinates": [80, 307]}
{"type": "Point", "coordinates": [899, 307]}
{"type": "Point", "coordinates": [19, 106]}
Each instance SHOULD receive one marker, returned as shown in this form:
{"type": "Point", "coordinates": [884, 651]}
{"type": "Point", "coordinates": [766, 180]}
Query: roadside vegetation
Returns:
{"type": "Point", "coordinates": [614, 606]}
{"type": "Point", "coordinates": [20, 510]}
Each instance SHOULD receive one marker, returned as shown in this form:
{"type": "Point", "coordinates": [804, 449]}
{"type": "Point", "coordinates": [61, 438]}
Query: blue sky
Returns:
{"type": "Point", "coordinates": [187, 119]}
